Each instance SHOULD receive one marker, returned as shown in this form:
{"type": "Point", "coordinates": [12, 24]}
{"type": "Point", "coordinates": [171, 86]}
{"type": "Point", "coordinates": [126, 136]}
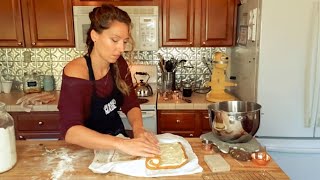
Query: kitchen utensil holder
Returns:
{"type": "Point", "coordinates": [168, 81]}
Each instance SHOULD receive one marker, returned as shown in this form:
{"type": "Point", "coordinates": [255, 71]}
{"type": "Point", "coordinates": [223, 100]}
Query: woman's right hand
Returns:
{"type": "Point", "coordinates": [138, 147]}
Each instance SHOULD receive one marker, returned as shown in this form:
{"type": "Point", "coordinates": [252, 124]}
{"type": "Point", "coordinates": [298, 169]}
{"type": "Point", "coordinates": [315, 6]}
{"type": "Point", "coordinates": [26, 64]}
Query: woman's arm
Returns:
{"type": "Point", "coordinates": [88, 138]}
{"type": "Point", "coordinates": [135, 119]}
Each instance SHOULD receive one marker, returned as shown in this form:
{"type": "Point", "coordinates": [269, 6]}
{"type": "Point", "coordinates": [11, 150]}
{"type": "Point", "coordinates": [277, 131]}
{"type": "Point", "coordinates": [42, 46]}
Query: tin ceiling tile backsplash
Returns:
{"type": "Point", "coordinates": [15, 62]}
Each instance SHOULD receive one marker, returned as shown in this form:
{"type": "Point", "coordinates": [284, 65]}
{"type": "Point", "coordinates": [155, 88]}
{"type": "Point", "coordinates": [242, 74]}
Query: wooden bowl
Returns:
{"type": "Point", "coordinates": [261, 158]}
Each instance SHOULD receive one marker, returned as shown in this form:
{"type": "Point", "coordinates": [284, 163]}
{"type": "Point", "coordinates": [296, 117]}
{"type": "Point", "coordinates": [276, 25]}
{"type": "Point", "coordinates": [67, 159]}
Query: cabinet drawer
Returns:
{"type": "Point", "coordinates": [37, 135]}
{"type": "Point", "coordinates": [177, 121]}
{"type": "Point", "coordinates": [38, 122]}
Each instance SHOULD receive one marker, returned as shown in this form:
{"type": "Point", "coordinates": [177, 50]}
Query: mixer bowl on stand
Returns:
{"type": "Point", "coordinates": [234, 121]}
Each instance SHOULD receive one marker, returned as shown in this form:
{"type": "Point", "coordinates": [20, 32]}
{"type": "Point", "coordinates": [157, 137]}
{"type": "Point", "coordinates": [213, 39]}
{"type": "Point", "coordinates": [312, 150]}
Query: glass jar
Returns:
{"type": "Point", "coordinates": [187, 90]}
{"type": "Point", "coordinates": [8, 153]}
{"type": "Point", "coordinates": [31, 83]}
{"type": "Point", "coordinates": [48, 83]}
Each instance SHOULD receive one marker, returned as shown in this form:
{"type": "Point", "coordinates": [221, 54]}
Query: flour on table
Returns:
{"type": "Point", "coordinates": [65, 161]}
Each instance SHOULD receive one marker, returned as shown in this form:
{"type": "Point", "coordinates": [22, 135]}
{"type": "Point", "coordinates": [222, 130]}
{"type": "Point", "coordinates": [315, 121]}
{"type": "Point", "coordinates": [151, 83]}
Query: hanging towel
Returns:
{"type": "Point", "coordinates": [312, 73]}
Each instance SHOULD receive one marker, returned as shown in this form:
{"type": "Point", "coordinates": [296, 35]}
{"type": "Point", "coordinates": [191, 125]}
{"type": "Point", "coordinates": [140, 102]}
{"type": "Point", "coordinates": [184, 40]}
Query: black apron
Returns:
{"type": "Point", "coordinates": [104, 117]}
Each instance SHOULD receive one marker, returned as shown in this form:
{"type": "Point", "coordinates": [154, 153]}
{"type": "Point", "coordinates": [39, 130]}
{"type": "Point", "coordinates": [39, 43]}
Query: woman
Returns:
{"type": "Point", "coordinates": [96, 86]}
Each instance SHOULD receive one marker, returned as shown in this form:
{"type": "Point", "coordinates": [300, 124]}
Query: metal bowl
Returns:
{"type": "Point", "coordinates": [234, 121]}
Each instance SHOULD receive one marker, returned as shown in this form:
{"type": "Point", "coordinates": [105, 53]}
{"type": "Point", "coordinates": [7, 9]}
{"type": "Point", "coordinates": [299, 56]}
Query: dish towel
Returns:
{"type": "Point", "coordinates": [115, 161]}
{"type": "Point", "coordinates": [312, 73]}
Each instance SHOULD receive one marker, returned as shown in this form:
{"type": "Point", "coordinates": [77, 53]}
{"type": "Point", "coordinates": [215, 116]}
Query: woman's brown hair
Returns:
{"type": "Point", "coordinates": [102, 18]}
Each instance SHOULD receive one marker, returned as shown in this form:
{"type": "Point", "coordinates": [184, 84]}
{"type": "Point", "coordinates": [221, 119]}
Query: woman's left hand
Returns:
{"type": "Point", "coordinates": [149, 136]}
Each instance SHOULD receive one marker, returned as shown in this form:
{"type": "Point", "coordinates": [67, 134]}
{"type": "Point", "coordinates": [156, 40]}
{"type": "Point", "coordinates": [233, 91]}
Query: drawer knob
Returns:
{"type": "Point", "coordinates": [191, 135]}
{"type": "Point", "coordinates": [206, 117]}
{"type": "Point", "coordinates": [178, 121]}
{"type": "Point", "coordinates": [40, 123]}
{"type": "Point", "coordinates": [21, 137]}
{"type": "Point", "coordinates": [34, 43]}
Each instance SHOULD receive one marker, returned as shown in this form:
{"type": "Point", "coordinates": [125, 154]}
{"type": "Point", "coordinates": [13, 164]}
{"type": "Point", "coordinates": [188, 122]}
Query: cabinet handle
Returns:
{"type": "Point", "coordinates": [20, 43]}
{"type": "Point", "coordinates": [21, 137]}
{"type": "Point", "coordinates": [206, 117]}
{"type": "Point", "coordinates": [203, 42]}
{"type": "Point", "coordinates": [34, 43]}
{"type": "Point", "coordinates": [178, 121]}
{"type": "Point", "coordinates": [190, 43]}
{"type": "Point", "coordinates": [191, 135]}
{"type": "Point", "coordinates": [40, 123]}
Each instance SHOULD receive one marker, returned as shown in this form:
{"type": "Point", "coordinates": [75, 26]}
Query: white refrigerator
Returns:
{"type": "Point", "coordinates": [276, 63]}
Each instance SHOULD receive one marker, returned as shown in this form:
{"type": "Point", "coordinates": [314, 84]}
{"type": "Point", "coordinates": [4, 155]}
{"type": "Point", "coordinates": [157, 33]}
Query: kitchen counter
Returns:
{"type": "Point", "coordinates": [59, 160]}
{"type": "Point", "coordinates": [11, 98]}
{"type": "Point", "coordinates": [198, 102]}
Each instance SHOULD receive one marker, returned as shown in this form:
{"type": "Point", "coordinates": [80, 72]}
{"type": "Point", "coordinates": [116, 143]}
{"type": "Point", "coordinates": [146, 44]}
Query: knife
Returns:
{"type": "Point", "coordinates": [186, 100]}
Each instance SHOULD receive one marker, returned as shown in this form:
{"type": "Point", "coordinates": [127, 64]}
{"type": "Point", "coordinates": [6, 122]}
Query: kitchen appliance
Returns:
{"type": "Point", "coordinates": [233, 124]}
{"type": "Point", "coordinates": [234, 121]}
{"type": "Point", "coordinates": [218, 82]}
{"type": "Point", "coordinates": [276, 65]}
{"type": "Point", "coordinates": [144, 20]}
{"type": "Point", "coordinates": [249, 147]}
{"type": "Point", "coordinates": [148, 109]}
{"type": "Point", "coordinates": [142, 88]}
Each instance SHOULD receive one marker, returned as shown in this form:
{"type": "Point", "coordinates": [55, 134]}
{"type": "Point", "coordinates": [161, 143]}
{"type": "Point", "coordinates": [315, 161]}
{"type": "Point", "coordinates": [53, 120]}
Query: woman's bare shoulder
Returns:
{"type": "Point", "coordinates": [77, 68]}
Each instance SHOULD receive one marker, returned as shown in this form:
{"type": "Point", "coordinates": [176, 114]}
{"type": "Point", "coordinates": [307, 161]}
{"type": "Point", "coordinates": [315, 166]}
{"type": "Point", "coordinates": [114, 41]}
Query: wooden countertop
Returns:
{"type": "Point", "coordinates": [36, 162]}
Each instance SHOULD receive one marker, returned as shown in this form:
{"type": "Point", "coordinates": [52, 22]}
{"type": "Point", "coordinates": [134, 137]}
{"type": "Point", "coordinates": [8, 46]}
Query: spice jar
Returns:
{"type": "Point", "coordinates": [8, 153]}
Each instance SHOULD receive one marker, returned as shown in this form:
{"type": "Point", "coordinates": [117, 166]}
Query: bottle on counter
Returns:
{"type": "Point", "coordinates": [8, 153]}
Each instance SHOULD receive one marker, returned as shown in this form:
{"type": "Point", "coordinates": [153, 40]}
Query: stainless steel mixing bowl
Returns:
{"type": "Point", "coordinates": [234, 121]}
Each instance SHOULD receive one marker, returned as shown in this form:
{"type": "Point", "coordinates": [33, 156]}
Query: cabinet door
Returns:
{"type": "Point", "coordinates": [204, 119]}
{"type": "Point", "coordinates": [183, 123]}
{"type": "Point", "coordinates": [116, 2]}
{"type": "Point", "coordinates": [50, 23]}
{"type": "Point", "coordinates": [178, 22]}
{"type": "Point", "coordinates": [11, 31]}
{"type": "Point", "coordinates": [218, 22]}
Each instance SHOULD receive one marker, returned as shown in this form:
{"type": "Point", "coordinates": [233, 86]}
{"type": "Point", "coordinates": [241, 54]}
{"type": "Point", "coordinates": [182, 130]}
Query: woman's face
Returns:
{"type": "Point", "coordinates": [110, 44]}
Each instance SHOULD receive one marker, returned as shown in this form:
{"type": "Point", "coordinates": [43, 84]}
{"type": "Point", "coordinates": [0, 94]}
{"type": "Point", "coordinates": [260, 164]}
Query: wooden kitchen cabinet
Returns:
{"type": "Point", "coordinates": [186, 123]}
{"type": "Point", "coordinates": [116, 2]}
{"type": "Point", "coordinates": [204, 118]}
{"type": "Point", "coordinates": [36, 125]}
{"type": "Point", "coordinates": [188, 23]}
{"type": "Point", "coordinates": [36, 23]}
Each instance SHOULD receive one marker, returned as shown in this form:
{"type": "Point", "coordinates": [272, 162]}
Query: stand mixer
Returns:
{"type": "Point", "coordinates": [218, 82]}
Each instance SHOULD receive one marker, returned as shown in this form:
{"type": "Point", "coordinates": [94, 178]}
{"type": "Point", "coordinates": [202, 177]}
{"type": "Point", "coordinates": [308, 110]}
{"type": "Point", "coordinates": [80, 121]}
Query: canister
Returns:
{"type": "Point", "coordinates": [8, 155]}
{"type": "Point", "coordinates": [48, 83]}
